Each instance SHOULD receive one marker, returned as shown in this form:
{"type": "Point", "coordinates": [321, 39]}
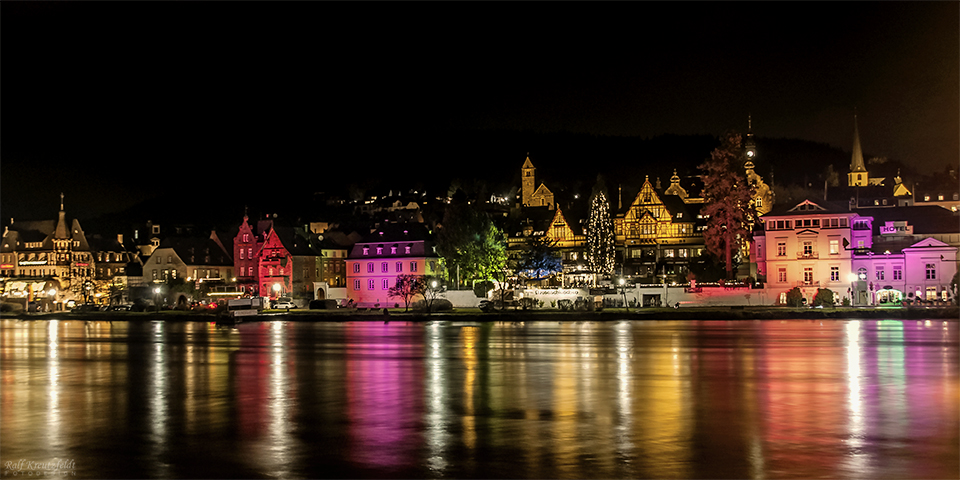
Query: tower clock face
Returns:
{"type": "Point", "coordinates": [750, 153]}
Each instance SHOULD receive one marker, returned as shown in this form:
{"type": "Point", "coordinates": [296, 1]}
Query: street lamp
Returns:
{"type": "Point", "coordinates": [156, 298]}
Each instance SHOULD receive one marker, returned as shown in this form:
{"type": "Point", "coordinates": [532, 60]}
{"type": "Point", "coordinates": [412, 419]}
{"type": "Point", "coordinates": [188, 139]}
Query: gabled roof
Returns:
{"type": "Point", "coordinates": [815, 207]}
{"type": "Point", "coordinates": [925, 219]}
{"type": "Point", "coordinates": [195, 250]}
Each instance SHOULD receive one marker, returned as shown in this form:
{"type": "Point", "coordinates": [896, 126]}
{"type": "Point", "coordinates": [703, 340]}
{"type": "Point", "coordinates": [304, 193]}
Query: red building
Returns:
{"type": "Point", "coordinates": [246, 248]}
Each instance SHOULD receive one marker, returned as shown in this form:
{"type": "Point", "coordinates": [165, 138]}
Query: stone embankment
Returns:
{"type": "Point", "coordinates": [474, 315]}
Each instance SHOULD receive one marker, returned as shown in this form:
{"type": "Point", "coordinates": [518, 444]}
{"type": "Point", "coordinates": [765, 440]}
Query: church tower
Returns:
{"type": "Point", "coordinates": [749, 145]}
{"type": "Point", "coordinates": [858, 176]}
{"type": "Point", "coordinates": [527, 182]}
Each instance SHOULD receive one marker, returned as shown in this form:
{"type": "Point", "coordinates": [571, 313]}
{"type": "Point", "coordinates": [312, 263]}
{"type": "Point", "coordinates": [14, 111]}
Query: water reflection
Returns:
{"type": "Point", "coordinates": [791, 399]}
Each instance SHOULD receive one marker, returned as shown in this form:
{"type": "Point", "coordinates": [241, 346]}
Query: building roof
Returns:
{"type": "Point", "coordinates": [198, 251]}
{"type": "Point", "coordinates": [925, 219]}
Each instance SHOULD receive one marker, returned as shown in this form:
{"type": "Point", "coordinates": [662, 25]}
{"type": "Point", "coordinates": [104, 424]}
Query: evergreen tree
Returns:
{"type": "Point", "coordinates": [600, 236]}
{"type": "Point", "coordinates": [726, 197]}
{"type": "Point", "coordinates": [468, 239]}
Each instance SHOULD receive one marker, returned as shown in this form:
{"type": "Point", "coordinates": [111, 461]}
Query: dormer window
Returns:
{"type": "Point", "coordinates": [406, 249]}
{"type": "Point", "coordinates": [379, 250]}
{"type": "Point", "coordinates": [366, 250]}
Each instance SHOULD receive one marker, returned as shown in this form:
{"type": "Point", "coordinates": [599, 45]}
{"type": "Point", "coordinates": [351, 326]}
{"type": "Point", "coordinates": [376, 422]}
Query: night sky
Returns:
{"type": "Point", "coordinates": [113, 103]}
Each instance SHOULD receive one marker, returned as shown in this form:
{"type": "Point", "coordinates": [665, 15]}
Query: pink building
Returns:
{"type": "Point", "coordinates": [816, 244]}
{"type": "Point", "coordinates": [246, 247]}
{"type": "Point", "coordinates": [374, 262]}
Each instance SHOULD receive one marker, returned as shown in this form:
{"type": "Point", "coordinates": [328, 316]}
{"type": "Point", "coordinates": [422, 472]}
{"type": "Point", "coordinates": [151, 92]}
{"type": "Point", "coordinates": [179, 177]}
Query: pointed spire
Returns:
{"type": "Point", "coordinates": [856, 160]}
{"type": "Point", "coordinates": [62, 232]}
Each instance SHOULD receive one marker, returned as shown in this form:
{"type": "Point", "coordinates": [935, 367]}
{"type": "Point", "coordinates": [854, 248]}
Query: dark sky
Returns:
{"type": "Point", "coordinates": [116, 102]}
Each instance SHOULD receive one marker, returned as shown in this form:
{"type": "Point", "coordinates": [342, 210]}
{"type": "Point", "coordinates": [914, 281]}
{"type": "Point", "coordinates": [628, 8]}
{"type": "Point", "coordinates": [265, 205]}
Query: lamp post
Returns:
{"type": "Point", "coordinates": [156, 298]}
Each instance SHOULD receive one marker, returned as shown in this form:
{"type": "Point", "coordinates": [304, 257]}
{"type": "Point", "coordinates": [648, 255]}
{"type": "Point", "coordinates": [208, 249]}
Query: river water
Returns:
{"type": "Point", "coordinates": [656, 399]}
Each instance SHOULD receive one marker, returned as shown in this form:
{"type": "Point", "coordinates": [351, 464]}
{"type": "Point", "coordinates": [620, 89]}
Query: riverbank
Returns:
{"type": "Point", "coordinates": [475, 315]}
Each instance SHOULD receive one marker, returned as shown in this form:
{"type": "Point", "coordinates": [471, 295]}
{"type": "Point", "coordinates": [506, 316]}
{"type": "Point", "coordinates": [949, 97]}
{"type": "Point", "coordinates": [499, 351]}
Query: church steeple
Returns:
{"type": "Point", "coordinates": [749, 145]}
{"type": "Point", "coordinates": [858, 175]}
{"type": "Point", "coordinates": [62, 230]}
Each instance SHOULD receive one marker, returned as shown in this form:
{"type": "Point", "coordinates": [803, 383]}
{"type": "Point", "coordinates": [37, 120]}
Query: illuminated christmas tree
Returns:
{"type": "Point", "coordinates": [600, 236]}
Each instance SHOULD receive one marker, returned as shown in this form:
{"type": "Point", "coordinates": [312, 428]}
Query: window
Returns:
{"type": "Point", "coordinates": [366, 250]}
{"type": "Point", "coordinates": [834, 274]}
{"type": "Point", "coordinates": [406, 249]}
{"type": "Point", "coordinates": [759, 202]}
{"type": "Point", "coordinates": [356, 268]}
{"type": "Point", "coordinates": [413, 266]}
{"type": "Point", "coordinates": [682, 252]}
{"type": "Point", "coordinates": [806, 222]}
{"type": "Point", "coordinates": [356, 284]}
{"type": "Point", "coordinates": [931, 271]}
{"type": "Point", "coordinates": [158, 259]}
{"type": "Point", "coordinates": [843, 222]}
{"type": "Point", "coordinates": [816, 222]}
{"type": "Point", "coordinates": [862, 273]}
{"type": "Point", "coordinates": [369, 267]}
{"type": "Point", "coordinates": [371, 284]}
{"type": "Point", "coordinates": [246, 237]}
{"type": "Point", "coordinates": [386, 283]}
{"type": "Point", "coordinates": [782, 274]}
{"type": "Point", "coordinates": [807, 248]}
{"type": "Point", "coordinates": [880, 273]}
{"type": "Point", "coordinates": [807, 275]}
{"type": "Point", "coordinates": [241, 254]}
{"type": "Point", "coordinates": [940, 197]}
{"type": "Point", "coordinates": [931, 293]}
{"type": "Point", "coordinates": [897, 272]}
{"type": "Point", "coordinates": [384, 267]}
{"type": "Point", "coordinates": [379, 250]}
{"type": "Point", "coordinates": [399, 267]}
{"type": "Point", "coordinates": [781, 249]}
{"type": "Point", "coordinates": [926, 198]}
{"type": "Point", "coordinates": [250, 253]}
{"type": "Point", "coordinates": [834, 247]}
{"type": "Point", "coordinates": [393, 250]}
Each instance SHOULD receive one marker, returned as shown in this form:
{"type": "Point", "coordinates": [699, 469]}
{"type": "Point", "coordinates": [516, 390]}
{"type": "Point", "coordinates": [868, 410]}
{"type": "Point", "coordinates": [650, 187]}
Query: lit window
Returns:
{"type": "Point", "coordinates": [399, 267]}
{"type": "Point", "coordinates": [808, 275]}
{"type": "Point", "coordinates": [379, 250]}
{"type": "Point", "coordinates": [782, 274]}
{"type": "Point", "coordinates": [880, 274]}
{"type": "Point", "coordinates": [406, 249]}
{"type": "Point", "coordinates": [393, 250]}
{"type": "Point", "coordinates": [926, 198]}
{"type": "Point", "coordinates": [241, 254]}
{"type": "Point", "coordinates": [834, 274]}
{"type": "Point", "coordinates": [356, 268]}
{"type": "Point", "coordinates": [413, 266]}
{"type": "Point", "coordinates": [834, 247]}
{"type": "Point", "coordinates": [781, 249]}
{"type": "Point", "coordinates": [940, 197]}
{"type": "Point", "coordinates": [384, 267]}
{"type": "Point", "coordinates": [897, 272]}
{"type": "Point", "coordinates": [366, 250]}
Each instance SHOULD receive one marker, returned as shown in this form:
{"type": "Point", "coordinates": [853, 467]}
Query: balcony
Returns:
{"type": "Point", "coordinates": [807, 255]}
{"type": "Point", "coordinates": [812, 283]}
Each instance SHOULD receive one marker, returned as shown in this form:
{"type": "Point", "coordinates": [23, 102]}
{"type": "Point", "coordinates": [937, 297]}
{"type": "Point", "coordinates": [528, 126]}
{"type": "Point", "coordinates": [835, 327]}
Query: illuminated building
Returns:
{"type": "Point", "coordinates": [246, 247]}
{"type": "Point", "coordinates": [189, 258]}
{"type": "Point", "coordinates": [815, 245]}
{"type": "Point", "coordinates": [289, 263]}
{"type": "Point", "coordinates": [763, 199]}
{"type": "Point", "coordinates": [533, 197]}
{"type": "Point", "coordinates": [859, 176]}
{"type": "Point", "coordinates": [659, 226]}
{"type": "Point", "coordinates": [375, 262]}
{"type": "Point", "coordinates": [48, 249]}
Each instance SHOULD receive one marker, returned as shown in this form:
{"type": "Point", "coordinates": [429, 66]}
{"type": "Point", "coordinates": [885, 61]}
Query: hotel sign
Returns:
{"type": "Point", "coordinates": [896, 228]}
{"type": "Point", "coordinates": [33, 262]}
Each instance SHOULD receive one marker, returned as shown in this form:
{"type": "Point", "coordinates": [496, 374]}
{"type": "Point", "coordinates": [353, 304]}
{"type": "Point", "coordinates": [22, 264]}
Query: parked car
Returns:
{"type": "Point", "coordinates": [284, 302]}
{"type": "Point", "coordinates": [119, 308]}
